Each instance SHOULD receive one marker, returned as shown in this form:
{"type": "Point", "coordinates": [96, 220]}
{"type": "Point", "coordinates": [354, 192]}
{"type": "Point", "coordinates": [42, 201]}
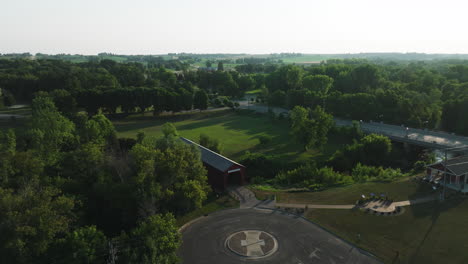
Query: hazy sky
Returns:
{"type": "Point", "coordinates": [236, 26]}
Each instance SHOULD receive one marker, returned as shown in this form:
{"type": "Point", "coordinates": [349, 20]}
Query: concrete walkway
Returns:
{"type": "Point", "coordinates": [379, 206]}
{"type": "Point", "coordinates": [316, 206]}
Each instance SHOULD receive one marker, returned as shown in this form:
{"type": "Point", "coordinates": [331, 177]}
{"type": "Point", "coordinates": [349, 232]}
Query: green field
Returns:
{"type": "Point", "coordinates": [400, 190]}
{"type": "Point", "coordinates": [426, 233]}
{"type": "Point", "coordinates": [237, 133]}
{"type": "Point", "coordinates": [306, 58]}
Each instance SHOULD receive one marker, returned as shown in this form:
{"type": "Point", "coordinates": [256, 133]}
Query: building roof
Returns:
{"type": "Point", "coordinates": [457, 165]}
{"type": "Point", "coordinates": [212, 158]}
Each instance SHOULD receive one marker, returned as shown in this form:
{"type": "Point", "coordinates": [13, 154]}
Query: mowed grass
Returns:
{"type": "Point", "coordinates": [237, 133]}
{"type": "Point", "coordinates": [400, 190]}
{"type": "Point", "coordinates": [433, 232]}
{"type": "Point", "coordinates": [306, 58]}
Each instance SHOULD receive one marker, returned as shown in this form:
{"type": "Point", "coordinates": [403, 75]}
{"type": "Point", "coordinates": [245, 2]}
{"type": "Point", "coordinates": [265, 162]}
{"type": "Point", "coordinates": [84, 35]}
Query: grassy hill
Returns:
{"type": "Point", "coordinates": [237, 133]}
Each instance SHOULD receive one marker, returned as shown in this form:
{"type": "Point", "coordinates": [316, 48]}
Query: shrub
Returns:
{"type": "Point", "coordinates": [210, 143]}
{"type": "Point", "coordinates": [309, 176]}
{"type": "Point", "coordinates": [264, 139]}
{"type": "Point", "coordinates": [260, 165]}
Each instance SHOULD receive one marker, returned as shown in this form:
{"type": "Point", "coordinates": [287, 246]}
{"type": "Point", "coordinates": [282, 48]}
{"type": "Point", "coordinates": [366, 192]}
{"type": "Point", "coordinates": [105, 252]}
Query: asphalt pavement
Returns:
{"type": "Point", "coordinates": [299, 241]}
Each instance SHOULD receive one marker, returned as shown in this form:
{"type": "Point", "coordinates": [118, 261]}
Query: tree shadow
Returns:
{"type": "Point", "coordinates": [433, 209]}
{"type": "Point", "coordinates": [136, 122]}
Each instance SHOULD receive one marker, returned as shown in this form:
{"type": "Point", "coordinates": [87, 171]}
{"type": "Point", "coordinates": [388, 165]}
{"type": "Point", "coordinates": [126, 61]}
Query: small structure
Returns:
{"type": "Point", "coordinates": [452, 173]}
{"type": "Point", "coordinates": [221, 170]}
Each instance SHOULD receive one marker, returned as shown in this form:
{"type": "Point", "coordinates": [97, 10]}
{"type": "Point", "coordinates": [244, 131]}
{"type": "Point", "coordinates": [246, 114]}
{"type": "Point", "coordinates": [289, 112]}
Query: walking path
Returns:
{"type": "Point", "coordinates": [378, 206]}
{"type": "Point", "coordinates": [316, 206]}
{"type": "Point", "coordinates": [247, 199]}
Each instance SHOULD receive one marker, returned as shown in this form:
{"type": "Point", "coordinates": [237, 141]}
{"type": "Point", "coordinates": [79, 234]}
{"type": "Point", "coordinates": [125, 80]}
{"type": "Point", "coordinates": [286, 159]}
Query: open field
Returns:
{"type": "Point", "coordinates": [237, 133]}
{"type": "Point", "coordinates": [306, 58]}
{"type": "Point", "coordinates": [426, 233]}
{"type": "Point", "coordinates": [400, 190]}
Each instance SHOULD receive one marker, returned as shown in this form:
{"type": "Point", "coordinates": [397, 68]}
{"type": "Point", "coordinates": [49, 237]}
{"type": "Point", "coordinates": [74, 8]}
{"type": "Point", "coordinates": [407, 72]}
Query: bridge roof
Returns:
{"type": "Point", "coordinates": [457, 165]}
{"type": "Point", "coordinates": [212, 158]}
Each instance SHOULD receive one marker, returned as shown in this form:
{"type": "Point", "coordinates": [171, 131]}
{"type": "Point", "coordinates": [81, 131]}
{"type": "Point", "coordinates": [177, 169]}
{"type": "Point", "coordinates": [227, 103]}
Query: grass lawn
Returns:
{"type": "Point", "coordinates": [215, 204]}
{"type": "Point", "coordinates": [237, 133]}
{"type": "Point", "coordinates": [253, 92]}
{"type": "Point", "coordinates": [404, 189]}
{"type": "Point", "coordinates": [26, 111]}
{"type": "Point", "coordinates": [306, 58]}
{"type": "Point", "coordinates": [426, 233]}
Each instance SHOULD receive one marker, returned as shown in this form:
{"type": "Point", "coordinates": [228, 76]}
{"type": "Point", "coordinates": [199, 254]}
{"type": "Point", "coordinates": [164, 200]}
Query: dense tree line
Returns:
{"type": "Point", "coordinates": [69, 188]}
{"type": "Point", "coordinates": [110, 86]}
{"type": "Point", "coordinates": [426, 95]}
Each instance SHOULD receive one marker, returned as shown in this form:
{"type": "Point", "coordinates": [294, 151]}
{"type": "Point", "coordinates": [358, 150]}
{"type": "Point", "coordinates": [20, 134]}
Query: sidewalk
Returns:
{"type": "Point", "coordinates": [379, 206]}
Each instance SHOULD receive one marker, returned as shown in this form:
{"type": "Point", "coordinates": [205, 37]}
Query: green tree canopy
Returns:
{"type": "Point", "coordinates": [154, 240]}
{"type": "Point", "coordinates": [30, 220]}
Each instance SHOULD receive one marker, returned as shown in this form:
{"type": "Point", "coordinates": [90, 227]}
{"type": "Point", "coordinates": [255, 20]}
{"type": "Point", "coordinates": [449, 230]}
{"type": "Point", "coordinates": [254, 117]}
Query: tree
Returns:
{"type": "Point", "coordinates": [220, 66]}
{"type": "Point", "coordinates": [310, 128]}
{"type": "Point", "coordinates": [200, 101]}
{"type": "Point", "coordinates": [323, 122]}
{"type": "Point", "coordinates": [170, 176]}
{"type": "Point", "coordinates": [169, 130]}
{"type": "Point", "coordinates": [210, 143]}
{"type": "Point", "coordinates": [208, 63]}
{"type": "Point", "coordinates": [319, 83]}
{"type": "Point", "coordinates": [30, 220]}
{"type": "Point", "coordinates": [376, 148]}
{"type": "Point", "coordinates": [83, 245]}
{"type": "Point", "coordinates": [154, 240]}
{"type": "Point", "coordinates": [99, 130]}
{"type": "Point", "coordinates": [7, 153]}
{"type": "Point", "coordinates": [50, 131]}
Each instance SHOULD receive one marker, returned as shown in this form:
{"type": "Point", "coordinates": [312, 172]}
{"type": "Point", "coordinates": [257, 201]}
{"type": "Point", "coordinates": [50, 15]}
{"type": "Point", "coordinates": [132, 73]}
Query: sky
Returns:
{"type": "Point", "coordinates": [236, 26]}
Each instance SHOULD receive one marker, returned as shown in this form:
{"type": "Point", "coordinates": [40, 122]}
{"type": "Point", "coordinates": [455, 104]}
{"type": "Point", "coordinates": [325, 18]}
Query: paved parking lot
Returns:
{"type": "Point", "coordinates": [299, 241]}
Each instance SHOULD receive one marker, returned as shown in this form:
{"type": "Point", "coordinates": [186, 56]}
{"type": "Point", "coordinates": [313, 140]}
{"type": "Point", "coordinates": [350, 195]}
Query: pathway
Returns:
{"type": "Point", "coordinates": [379, 206]}
{"type": "Point", "coordinates": [316, 206]}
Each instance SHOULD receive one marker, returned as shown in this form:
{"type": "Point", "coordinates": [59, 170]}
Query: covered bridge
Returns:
{"type": "Point", "coordinates": [221, 170]}
{"type": "Point", "coordinates": [452, 173]}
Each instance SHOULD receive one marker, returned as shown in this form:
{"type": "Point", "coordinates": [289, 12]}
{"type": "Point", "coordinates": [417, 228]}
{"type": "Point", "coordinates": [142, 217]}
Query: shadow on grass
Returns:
{"type": "Point", "coordinates": [140, 122]}
{"type": "Point", "coordinates": [434, 209]}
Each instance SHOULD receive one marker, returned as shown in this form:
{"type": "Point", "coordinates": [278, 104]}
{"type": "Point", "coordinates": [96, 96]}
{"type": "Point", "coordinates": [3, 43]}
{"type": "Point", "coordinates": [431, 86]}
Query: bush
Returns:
{"type": "Point", "coordinates": [363, 173]}
{"type": "Point", "coordinates": [260, 165]}
{"type": "Point", "coordinates": [309, 176]}
{"type": "Point", "coordinates": [210, 143]}
{"type": "Point", "coordinates": [264, 139]}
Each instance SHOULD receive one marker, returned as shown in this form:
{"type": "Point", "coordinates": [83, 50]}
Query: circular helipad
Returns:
{"type": "Point", "coordinates": [252, 244]}
{"type": "Point", "coordinates": [263, 237]}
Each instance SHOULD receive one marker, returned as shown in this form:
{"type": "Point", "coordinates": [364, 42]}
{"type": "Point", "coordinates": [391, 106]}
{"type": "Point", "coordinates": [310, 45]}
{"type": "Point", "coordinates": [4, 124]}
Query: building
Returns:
{"type": "Point", "coordinates": [221, 170]}
{"type": "Point", "coordinates": [453, 173]}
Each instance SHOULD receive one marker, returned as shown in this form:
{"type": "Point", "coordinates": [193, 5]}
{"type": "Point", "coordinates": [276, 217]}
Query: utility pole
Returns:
{"type": "Point", "coordinates": [445, 176]}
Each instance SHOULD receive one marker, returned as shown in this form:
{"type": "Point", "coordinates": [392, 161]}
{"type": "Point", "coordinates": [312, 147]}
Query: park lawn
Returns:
{"type": "Point", "coordinates": [425, 233]}
{"type": "Point", "coordinates": [213, 205]}
{"type": "Point", "coordinates": [237, 132]}
{"type": "Point", "coordinates": [26, 111]}
{"type": "Point", "coordinates": [306, 58]}
{"type": "Point", "coordinates": [399, 190]}
{"type": "Point", "coordinates": [254, 92]}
